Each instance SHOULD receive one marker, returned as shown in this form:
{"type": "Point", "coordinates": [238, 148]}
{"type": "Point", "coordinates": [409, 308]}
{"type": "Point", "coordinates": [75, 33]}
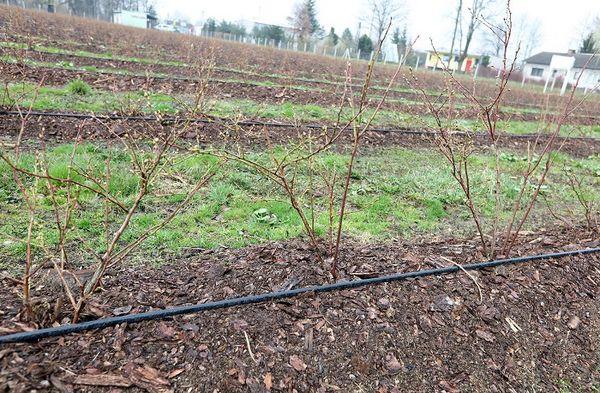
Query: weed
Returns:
{"type": "Point", "coordinates": [79, 87]}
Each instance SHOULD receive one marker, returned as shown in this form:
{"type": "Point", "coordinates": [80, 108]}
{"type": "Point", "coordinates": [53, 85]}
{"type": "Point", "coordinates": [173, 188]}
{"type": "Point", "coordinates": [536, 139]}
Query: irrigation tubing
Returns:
{"type": "Point", "coordinates": [266, 297]}
{"type": "Point", "coordinates": [214, 119]}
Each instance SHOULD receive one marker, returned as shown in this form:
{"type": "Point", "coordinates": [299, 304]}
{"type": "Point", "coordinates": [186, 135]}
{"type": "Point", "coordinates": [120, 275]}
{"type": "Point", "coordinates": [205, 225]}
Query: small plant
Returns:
{"type": "Point", "coordinates": [283, 165]}
{"type": "Point", "coordinates": [498, 235]}
{"type": "Point", "coordinates": [79, 87]}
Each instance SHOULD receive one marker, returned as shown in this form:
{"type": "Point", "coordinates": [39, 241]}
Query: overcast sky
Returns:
{"type": "Point", "coordinates": [562, 22]}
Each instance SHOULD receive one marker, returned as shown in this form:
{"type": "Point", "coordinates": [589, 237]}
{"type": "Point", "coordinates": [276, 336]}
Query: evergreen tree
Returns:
{"type": "Point", "coordinates": [332, 38]}
{"type": "Point", "coordinates": [588, 45]}
{"type": "Point", "coordinates": [312, 16]}
{"type": "Point", "coordinates": [152, 12]}
{"type": "Point", "coordinates": [365, 46]}
{"type": "Point", "coordinates": [304, 20]}
{"type": "Point", "coordinates": [210, 26]}
{"type": "Point", "coordinates": [347, 39]}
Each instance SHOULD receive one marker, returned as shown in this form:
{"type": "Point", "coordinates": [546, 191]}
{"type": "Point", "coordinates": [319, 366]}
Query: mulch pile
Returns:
{"type": "Point", "coordinates": [536, 325]}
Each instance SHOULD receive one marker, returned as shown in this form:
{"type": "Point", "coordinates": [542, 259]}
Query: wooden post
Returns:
{"type": "Point", "coordinates": [565, 82]}
{"type": "Point", "coordinates": [553, 82]}
{"type": "Point", "coordinates": [371, 56]}
{"type": "Point", "coordinates": [417, 64]}
{"type": "Point", "coordinates": [335, 52]}
{"type": "Point", "coordinates": [547, 80]}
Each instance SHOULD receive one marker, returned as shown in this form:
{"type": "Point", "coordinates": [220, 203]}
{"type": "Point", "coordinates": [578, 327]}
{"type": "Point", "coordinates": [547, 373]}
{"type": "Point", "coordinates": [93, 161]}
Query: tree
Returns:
{"type": "Point", "coordinates": [210, 26]}
{"type": "Point", "coordinates": [493, 41]}
{"type": "Point", "coordinates": [347, 40]}
{"type": "Point", "coordinates": [304, 20]}
{"type": "Point", "coordinates": [400, 40]}
{"type": "Point", "coordinates": [332, 38]}
{"type": "Point", "coordinates": [231, 28]}
{"type": "Point", "coordinates": [529, 36]}
{"type": "Point", "coordinates": [588, 45]}
{"type": "Point", "coordinates": [152, 12]}
{"type": "Point", "coordinates": [457, 21]}
{"type": "Point", "coordinates": [312, 15]}
{"type": "Point", "coordinates": [269, 32]}
{"type": "Point", "coordinates": [478, 7]}
{"type": "Point", "coordinates": [381, 11]}
{"type": "Point", "coordinates": [365, 46]}
{"type": "Point", "coordinates": [597, 30]}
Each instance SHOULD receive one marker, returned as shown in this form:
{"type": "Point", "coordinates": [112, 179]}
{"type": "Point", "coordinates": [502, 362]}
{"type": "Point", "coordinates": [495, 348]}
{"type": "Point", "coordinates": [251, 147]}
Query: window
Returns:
{"type": "Point", "coordinates": [537, 71]}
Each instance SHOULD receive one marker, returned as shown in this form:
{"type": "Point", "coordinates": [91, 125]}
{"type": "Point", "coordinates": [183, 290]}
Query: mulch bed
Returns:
{"type": "Point", "coordinates": [537, 325]}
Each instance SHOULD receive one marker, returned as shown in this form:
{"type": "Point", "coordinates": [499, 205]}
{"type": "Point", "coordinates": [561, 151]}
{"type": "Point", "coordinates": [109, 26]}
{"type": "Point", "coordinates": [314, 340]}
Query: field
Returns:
{"type": "Point", "coordinates": [142, 170]}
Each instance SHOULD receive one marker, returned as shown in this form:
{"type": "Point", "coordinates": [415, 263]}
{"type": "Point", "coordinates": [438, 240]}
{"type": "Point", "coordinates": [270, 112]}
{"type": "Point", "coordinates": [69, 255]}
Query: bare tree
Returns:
{"type": "Point", "coordinates": [529, 36]}
{"type": "Point", "coordinates": [457, 20]}
{"type": "Point", "coordinates": [380, 13]}
{"type": "Point", "coordinates": [304, 20]}
{"type": "Point", "coordinates": [476, 11]}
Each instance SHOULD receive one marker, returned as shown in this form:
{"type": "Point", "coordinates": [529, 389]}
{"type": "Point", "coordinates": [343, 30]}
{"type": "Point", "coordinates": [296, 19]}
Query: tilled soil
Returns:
{"type": "Point", "coordinates": [534, 326]}
{"type": "Point", "coordinates": [64, 129]}
{"type": "Point", "coordinates": [585, 109]}
{"type": "Point", "coordinates": [241, 90]}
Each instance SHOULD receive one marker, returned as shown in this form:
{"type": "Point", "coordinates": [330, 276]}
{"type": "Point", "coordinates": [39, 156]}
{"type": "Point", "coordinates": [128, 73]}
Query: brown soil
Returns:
{"type": "Point", "coordinates": [66, 129]}
{"type": "Point", "coordinates": [239, 90]}
{"type": "Point", "coordinates": [586, 109]}
{"type": "Point", "coordinates": [95, 36]}
{"type": "Point", "coordinates": [536, 327]}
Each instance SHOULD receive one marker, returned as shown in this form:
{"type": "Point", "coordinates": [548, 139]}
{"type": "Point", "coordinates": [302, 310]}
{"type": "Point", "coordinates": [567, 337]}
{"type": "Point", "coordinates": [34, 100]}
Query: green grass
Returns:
{"type": "Point", "coordinates": [95, 101]}
{"type": "Point", "coordinates": [110, 56]}
{"type": "Point", "coordinates": [101, 101]}
{"type": "Point", "coordinates": [395, 193]}
{"type": "Point", "coordinates": [78, 86]}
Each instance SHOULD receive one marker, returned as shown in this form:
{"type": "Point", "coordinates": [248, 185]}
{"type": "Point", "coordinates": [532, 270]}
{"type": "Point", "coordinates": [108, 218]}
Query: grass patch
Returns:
{"type": "Point", "coordinates": [79, 87]}
{"type": "Point", "coordinates": [395, 192]}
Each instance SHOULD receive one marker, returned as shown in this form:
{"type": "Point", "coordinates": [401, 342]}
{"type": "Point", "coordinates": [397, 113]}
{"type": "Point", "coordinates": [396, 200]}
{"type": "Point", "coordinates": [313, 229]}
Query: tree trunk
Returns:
{"type": "Point", "coordinates": [458, 11]}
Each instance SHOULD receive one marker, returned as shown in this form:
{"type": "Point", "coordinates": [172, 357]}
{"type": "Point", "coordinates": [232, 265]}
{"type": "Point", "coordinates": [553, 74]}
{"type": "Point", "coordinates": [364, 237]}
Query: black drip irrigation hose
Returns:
{"type": "Point", "coordinates": [215, 119]}
{"type": "Point", "coordinates": [255, 299]}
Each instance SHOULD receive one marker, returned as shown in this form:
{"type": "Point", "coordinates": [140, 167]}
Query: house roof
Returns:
{"type": "Point", "coordinates": [581, 59]}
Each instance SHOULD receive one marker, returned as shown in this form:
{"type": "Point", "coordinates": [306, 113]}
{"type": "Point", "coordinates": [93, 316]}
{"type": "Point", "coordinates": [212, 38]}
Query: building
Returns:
{"type": "Point", "coordinates": [443, 60]}
{"type": "Point", "coordinates": [537, 68]}
{"type": "Point", "coordinates": [134, 18]}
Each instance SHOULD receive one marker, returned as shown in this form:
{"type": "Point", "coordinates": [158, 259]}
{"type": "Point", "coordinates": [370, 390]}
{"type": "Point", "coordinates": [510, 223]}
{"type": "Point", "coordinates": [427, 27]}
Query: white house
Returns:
{"type": "Point", "coordinates": [537, 68]}
{"type": "Point", "coordinates": [134, 18]}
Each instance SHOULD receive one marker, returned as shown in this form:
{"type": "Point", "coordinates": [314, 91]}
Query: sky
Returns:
{"type": "Point", "coordinates": [562, 23]}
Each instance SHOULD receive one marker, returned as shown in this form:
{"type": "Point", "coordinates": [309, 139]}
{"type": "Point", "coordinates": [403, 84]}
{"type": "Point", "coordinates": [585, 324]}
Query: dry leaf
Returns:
{"type": "Point", "coordinates": [297, 363]}
{"type": "Point", "coordinates": [165, 330]}
{"type": "Point", "coordinates": [268, 380]}
{"type": "Point", "coordinates": [393, 364]}
{"type": "Point", "coordinates": [175, 373]}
